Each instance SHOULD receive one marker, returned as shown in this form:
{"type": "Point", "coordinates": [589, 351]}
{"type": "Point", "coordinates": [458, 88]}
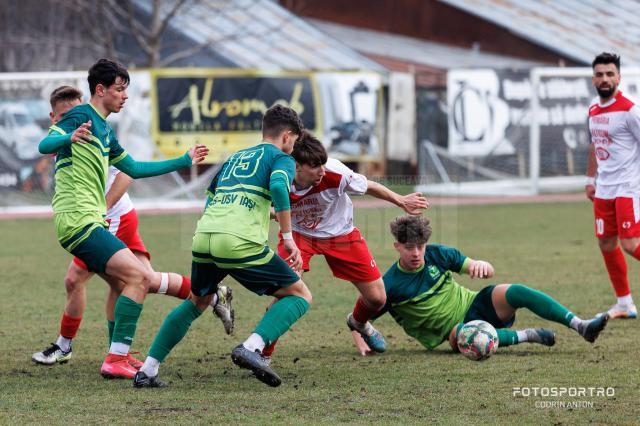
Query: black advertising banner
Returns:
{"type": "Point", "coordinates": [223, 110]}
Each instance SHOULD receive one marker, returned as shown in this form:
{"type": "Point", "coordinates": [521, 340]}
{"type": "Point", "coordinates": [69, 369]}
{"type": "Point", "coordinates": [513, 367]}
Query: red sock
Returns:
{"type": "Point", "coordinates": [363, 312]}
{"type": "Point", "coordinates": [617, 268]}
{"type": "Point", "coordinates": [185, 289]}
{"type": "Point", "coordinates": [268, 350]}
{"type": "Point", "coordinates": [69, 326]}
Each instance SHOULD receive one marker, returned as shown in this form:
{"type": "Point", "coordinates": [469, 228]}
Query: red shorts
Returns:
{"type": "Point", "coordinates": [617, 217]}
{"type": "Point", "coordinates": [347, 255]}
{"type": "Point", "coordinates": [125, 228]}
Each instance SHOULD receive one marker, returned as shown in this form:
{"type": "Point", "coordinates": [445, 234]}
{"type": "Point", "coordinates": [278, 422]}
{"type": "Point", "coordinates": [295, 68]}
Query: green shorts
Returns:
{"type": "Point", "coordinates": [254, 266]}
{"type": "Point", "coordinates": [94, 245]}
{"type": "Point", "coordinates": [482, 309]}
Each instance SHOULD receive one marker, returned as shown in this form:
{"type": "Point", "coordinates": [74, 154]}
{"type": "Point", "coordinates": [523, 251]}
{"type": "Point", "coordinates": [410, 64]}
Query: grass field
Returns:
{"type": "Point", "coordinates": [548, 246]}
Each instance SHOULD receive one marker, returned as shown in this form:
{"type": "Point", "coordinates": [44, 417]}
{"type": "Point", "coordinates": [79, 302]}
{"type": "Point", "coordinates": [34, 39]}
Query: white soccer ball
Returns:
{"type": "Point", "coordinates": [477, 340]}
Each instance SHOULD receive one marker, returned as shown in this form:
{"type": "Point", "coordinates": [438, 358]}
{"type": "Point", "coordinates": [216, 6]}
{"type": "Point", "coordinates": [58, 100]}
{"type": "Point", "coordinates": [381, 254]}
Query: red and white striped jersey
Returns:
{"type": "Point", "coordinates": [325, 210]}
{"type": "Point", "coordinates": [124, 204]}
{"type": "Point", "coordinates": [615, 134]}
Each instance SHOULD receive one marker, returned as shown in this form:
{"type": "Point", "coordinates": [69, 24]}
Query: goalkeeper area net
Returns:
{"type": "Point", "coordinates": [514, 132]}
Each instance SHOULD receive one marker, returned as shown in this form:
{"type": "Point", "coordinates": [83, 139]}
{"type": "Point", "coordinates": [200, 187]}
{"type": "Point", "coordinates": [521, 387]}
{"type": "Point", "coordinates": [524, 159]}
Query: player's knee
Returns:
{"type": "Point", "coordinates": [201, 302]}
{"type": "Point", "coordinates": [377, 300]}
{"type": "Point", "coordinates": [72, 283]}
{"type": "Point", "coordinates": [629, 246]}
{"type": "Point", "coordinates": [607, 244]}
{"type": "Point", "coordinates": [303, 291]}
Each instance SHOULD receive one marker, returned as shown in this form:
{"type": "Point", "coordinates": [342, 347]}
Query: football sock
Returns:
{"type": "Point", "coordinates": [578, 324]}
{"type": "Point", "coordinates": [268, 350]}
{"type": "Point", "coordinates": [254, 343]}
{"type": "Point", "coordinates": [626, 300]}
{"type": "Point", "coordinates": [520, 296]}
{"type": "Point", "coordinates": [126, 314]}
{"type": "Point", "coordinates": [282, 315]}
{"type": "Point", "coordinates": [110, 326]}
{"type": "Point", "coordinates": [150, 366]}
{"type": "Point", "coordinates": [185, 289]}
{"type": "Point", "coordinates": [363, 312]}
{"type": "Point", "coordinates": [173, 329]}
{"type": "Point", "coordinates": [69, 326]}
{"type": "Point", "coordinates": [617, 269]}
{"type": "Point", "coordinates": [507, 337]}
{"type": "Point", "coordinates": [63, 343]}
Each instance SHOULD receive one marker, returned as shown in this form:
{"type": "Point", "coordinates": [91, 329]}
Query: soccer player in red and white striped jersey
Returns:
{"type": "Point", "coordinates": [322, 223]}
{"type": "Point", "coordinates": [613, 177]}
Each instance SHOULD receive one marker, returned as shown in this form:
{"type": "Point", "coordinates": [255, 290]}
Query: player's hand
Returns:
{"type": "Point", "coordinates": [363, 348]}
{"type": "Point", "coordinates": [480, 269]}
{"type": "Point", "coordinates": [590, 190]}
{"type": "Point", "coordinates": [82, 134]}
{"type": "Point", "coordinates": [198, 154]}
{"type": "Point", "coordinates": [413, 203]}
{"type": "Point", "coordinates": [295, 257]}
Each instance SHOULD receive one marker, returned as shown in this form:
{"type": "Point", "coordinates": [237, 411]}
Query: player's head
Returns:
{"type": "Point", "coordinates": [606, 74]}
{"type": "Point", "coordinates": [62, 99]}
{"type": "Point", "coordinates": [311, 158]}
{"type": "Point", "coordinates": [108, 82]}
{"type": "Point", "coordinates": [282, 125]}
{"type": "Point", "coordinates": [411, 234]}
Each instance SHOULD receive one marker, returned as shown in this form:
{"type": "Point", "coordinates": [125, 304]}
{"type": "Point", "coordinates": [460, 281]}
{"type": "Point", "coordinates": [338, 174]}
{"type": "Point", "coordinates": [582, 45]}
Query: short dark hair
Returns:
{"type": "Point", "coordinates": [309, 150]}
{"type": "Point", "coordinates": [607, 58]}
{"type": "Point", "coordinates": [64, 94]}
{"type": "Point", "coordinates": [279, 118]}
{"type": "Point", "coordinates": [411, 229]}
{"type": "Point", "coordinates": [105, 72]}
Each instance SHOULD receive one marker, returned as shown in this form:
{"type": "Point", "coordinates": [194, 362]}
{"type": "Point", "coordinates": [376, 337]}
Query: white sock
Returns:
{"type": "Point", "coordinates": [150, 367]}
{"type": "Point", "coordinates": [254, 342]}
{"type": "Point", "coordinates": [119, 348]}
{"type": "Point", "coordinates": [63, 343]}
{"type": "Point", "coordinates": [214, 301]}
{"type": "Point", "coordinates": [522, 336]}
{"type": "Point", "coordinates": [578, 324]}
{"type": "Point", "coordinates": [365, 328]}
{"type": "Point", "coordinates": [626, 300]}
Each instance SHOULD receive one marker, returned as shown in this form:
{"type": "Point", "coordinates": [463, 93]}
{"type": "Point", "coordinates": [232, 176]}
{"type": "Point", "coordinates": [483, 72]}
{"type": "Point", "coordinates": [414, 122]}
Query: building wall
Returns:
{"type": "Point", "coordinates": [428, 20]}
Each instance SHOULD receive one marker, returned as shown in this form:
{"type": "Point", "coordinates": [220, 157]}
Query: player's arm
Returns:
{"type": "Point", "coordinates": [410, 203]}
{"type": "Point", "coordinates": [477, 268]}
{"type": "Point", "coordinates": [592, 169]}
{"type": "Point", "coordinates": [118, 189]}
{"type": "Point", "coordinates": [142, 169]}
{"type": "Point", "coordinates": [58, 138]}
{"type": "Point", "coordinates": [279, 187]}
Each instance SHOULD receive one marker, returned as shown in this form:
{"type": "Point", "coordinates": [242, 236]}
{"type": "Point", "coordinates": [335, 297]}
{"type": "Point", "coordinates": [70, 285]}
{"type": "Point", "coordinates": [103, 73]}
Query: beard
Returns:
{"type": "Point", "coordinates": [606, 92]}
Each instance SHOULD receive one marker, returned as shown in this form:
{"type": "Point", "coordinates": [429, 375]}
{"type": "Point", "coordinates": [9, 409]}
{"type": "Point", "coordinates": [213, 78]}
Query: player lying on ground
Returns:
{"type": "Point", "coordinates": [322, 222]}
{"type": "Point", "coordinates": [231, 239]}
{"type": "Point", "coordinates": [430, 306]}
{"type": "Point", "coordinates": [123, 223]}
{"type": "Point", "coordinates": [86, 145]}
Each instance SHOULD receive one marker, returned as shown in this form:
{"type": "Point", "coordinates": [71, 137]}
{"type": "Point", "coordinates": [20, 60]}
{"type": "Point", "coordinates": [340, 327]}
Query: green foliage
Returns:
{"type": "Point", "coordinates": [549, 247]}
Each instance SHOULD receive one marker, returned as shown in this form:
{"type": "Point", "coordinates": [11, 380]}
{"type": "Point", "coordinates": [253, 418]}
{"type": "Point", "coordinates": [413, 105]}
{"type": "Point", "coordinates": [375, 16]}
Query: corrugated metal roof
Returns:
{"type": "Point", "coordinates": [577, 29]}
{"type": "Point", "coordinates": [416, 50]}
{"type": "Point", "coordinates": [261, 34]}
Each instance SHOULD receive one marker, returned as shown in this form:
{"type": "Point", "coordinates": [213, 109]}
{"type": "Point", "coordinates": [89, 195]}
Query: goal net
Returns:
{"type": "Point", "coordinates": [514, 132]}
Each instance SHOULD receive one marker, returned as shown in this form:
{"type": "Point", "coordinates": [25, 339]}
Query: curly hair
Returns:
{"type": "Point", "coordinates": [64, 94]}
{"type": "Point", "coordinates": [279, 118]}
{"type": "Point", "coordinates": [309, 150]}
{"type": "Point", "coordinates": [607, 58]}
{"type": "Point", "coordinates": [411, 229]}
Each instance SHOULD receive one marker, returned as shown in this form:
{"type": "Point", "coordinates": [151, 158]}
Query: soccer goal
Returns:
{"type": "Point", "coordinates": [514, 132]}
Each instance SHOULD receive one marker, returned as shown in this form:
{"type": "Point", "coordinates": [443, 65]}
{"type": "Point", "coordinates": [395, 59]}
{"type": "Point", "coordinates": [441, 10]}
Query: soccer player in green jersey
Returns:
{"type": "Point", "coordinates": [426, 301]}
{"type": "Point", "coordinates": [231, 239]}
{"type": "Point", "coordinates": [85, 145]}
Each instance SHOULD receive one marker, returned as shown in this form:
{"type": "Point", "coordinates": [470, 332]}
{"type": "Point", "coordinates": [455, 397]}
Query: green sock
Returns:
{"type": "Point", "coordinates": [282, 315]}
{"type": "Point", "coordinates": [507, 337]}
{"type": "Point", "coordinates": [541, 304]}
{"type": "Point", "coordinates": [173, 329]}
{"type": "Point", "coordinates": [126, 314]}
{"type": "Point", "coordinates": [111, 325]}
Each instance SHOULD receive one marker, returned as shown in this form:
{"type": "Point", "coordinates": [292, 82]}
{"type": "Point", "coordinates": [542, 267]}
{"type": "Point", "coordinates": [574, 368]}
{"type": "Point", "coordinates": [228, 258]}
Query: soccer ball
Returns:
{"type": "Point", "coordinates": [477, 340]}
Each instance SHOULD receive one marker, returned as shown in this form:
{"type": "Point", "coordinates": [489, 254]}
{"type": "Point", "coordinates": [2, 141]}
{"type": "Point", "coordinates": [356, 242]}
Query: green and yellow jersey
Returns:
{"type": "Point", "coordinates": [428, 302]}
{"type": "Point", "coordinates": [240, 196]}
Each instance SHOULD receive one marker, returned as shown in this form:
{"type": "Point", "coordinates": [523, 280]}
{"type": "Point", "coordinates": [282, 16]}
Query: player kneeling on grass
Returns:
{"type": "Point", "coordinates": [424, 298]}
